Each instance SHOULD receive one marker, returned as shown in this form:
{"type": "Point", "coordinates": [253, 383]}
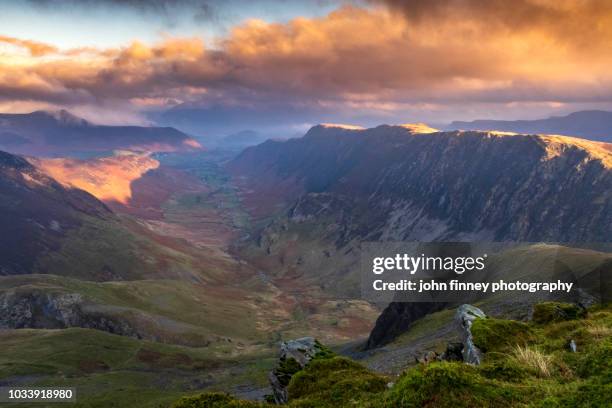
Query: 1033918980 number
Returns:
{"type": "Point", "coordinates": [8, 394]}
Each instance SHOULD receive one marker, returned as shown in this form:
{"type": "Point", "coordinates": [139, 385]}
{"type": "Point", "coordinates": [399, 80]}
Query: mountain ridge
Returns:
{"type": "Point", "coordinates": [593, 125]}
{"type": "Point", "coordinates": [60, 133]}
{"type": "Point", "coordinates": [371, 161]}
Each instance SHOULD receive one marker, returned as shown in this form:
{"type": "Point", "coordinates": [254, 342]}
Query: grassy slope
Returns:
{"type": "Point", "coordinates": [113, 250]}
{"type": "Point", "coordinates": [173, 311]}
{"type": "Point", "coordinates": [116, 371]}
{"type": "Point", "coordinates": [526, 365]}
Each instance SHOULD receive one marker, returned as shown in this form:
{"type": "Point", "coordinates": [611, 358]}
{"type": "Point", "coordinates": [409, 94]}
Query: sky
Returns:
{"type": "Point", "coordinates": [363, 61]}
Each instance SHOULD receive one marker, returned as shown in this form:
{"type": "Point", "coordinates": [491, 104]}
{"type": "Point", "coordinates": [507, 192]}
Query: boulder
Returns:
{"type": "Point", "coordinates": [465, 317]}
{"type": "Point", "coordinates": [294, 356]}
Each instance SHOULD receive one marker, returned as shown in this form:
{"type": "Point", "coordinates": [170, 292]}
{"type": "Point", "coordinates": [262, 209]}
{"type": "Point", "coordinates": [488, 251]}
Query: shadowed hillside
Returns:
{"type": "Point", "coordinates": [446, 185]}
{"type": "Point", "coordinates": [60, 133]}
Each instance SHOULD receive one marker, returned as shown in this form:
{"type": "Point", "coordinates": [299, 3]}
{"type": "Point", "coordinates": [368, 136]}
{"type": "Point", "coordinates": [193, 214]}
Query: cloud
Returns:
{"type": "Point", "coordinates": [569, 23]}
{"type": "Point", "coordinates": [384, 57]}
{"type": "Point", "coordinates": [35, 48]}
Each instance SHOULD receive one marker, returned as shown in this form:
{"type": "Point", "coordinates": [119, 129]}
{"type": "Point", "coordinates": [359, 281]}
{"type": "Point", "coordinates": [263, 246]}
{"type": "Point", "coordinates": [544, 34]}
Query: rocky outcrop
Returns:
{"type": "Point", "coordinates": [465, 317]}
{"type": "Point", "coordinates": [294, 356]}
{"type": "Point", "coordinates": [397, 318]}
{"type": "Point", "coordinates": [39, 310]}
{"type": "Point", "coordinates": [49, 310]}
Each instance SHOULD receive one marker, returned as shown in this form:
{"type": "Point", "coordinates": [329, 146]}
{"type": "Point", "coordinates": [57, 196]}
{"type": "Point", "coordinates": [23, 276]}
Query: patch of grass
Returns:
{"type": "Point", "coordinates": [534, 359]}
{"type": "Point", "coordinates": [113, 371]}
{"type": "Point", "coordinates": [323, 351]}
{"type": "Point", "coordinates": [286, 369]}
{"type": "Point", "coordinates": [333, 382]}
{"type": "Point", "coordinates": [324, 383]}
{"type": "Point", "coordinates": [166, 310]}
{"type": "Point", "coordinates": [451, 384]}
{"type": "Point", "coordinates": [214, 400]}
{"type": "Point", "coordinates": [596, 360]}
{"type": "Point", "coordinates": [501, 335]}
{"type": "Point", "coordinates": [504, 369]}
{"type": "Point", "coordinates": [549, 312]}
{"type": "Point", "coordinates": [109, 250]}
{"type": "Point", "coordinates": [599, 331]}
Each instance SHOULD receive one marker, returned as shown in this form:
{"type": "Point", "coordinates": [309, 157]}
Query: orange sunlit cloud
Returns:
{"type": "Point", "coordinates": [35, 48]}
{"type": "Point", "coordinates": [390, 53]}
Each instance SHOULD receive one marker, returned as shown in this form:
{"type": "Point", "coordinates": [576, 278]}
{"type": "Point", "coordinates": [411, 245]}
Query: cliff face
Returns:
{"type": "Point", "coordinates": [390, 184]}
{"type": "Point", "coordinates": [447, 185]}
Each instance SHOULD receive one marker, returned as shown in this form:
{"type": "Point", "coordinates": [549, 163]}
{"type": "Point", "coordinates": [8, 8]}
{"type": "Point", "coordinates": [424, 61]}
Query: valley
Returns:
{"type": "Point", "coordinates": [186, 269]}
{"type": "Point", "coordinates": [313, 204]}
{"type": "Point", "coordinates": [160, 273]}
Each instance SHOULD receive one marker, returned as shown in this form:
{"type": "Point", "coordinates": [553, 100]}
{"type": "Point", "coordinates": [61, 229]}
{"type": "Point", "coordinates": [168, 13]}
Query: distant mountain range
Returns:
{"type": "Point", "coordinates": [60, 133]}
{"type": "Point", "coordinates": [593, 125]}
{"type": "Point", "coordinates": [214, 122]}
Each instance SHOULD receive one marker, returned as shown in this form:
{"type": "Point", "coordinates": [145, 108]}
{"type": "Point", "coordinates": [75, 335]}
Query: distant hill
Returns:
{"type": "Point", "coordinates": [214, 122]}
{"type": "Point", "coordinates": [60, 133]}
{"type": "Point", "coordinates": [592, 125]}
{"type": "Point", "coordinates": [242, 139]}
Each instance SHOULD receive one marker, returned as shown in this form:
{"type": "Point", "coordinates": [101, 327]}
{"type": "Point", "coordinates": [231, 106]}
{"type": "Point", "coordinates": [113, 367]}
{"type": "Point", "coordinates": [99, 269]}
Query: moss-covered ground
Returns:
{"type": "Point", "coordinates": [525, 365]}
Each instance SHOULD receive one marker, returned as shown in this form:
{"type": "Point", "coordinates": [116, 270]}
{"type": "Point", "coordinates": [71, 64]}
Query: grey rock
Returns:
{"type": "Point", "coordinates": [294, 355]}
{"type": "Point", "coordinates": [465, 317]}
{"type": "Point", "coordinates": [38, 309]}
